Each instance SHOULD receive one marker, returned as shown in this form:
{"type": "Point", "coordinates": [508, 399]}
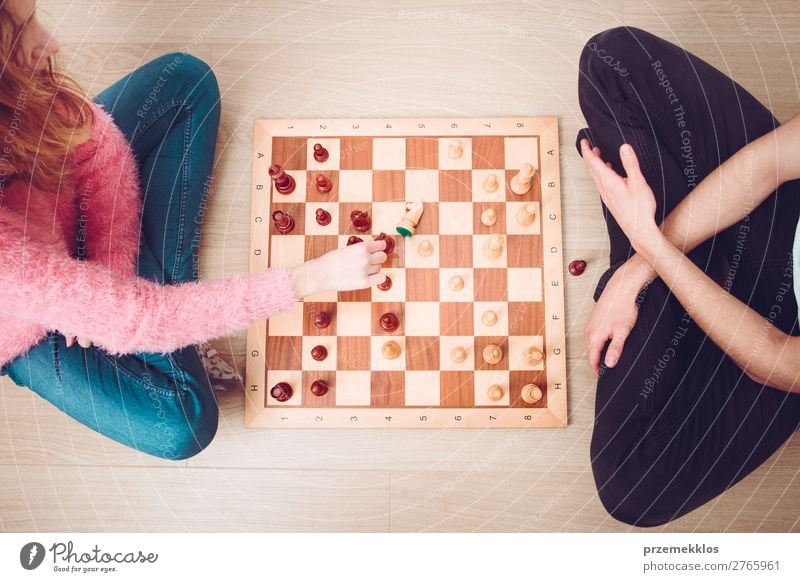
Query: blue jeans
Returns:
{"type": "Point", "coordinates": [160, 404]}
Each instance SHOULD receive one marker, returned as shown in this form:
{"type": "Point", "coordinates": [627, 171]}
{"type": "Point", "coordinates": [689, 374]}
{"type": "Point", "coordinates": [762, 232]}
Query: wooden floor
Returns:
{"type": "Point", "coordinates": [372, 59]}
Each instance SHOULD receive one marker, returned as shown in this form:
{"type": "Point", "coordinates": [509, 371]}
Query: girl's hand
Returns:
{"type": "Point", "coordinates": [82, 341]}
{"type": "Point", "coordinates": [630, 199]}
{"type": "Point", "coordinates": [347, 269]}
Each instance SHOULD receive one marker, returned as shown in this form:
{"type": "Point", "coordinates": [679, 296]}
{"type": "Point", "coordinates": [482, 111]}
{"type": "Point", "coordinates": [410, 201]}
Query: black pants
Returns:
{"type": "Point", "coordinates": [677, 422]}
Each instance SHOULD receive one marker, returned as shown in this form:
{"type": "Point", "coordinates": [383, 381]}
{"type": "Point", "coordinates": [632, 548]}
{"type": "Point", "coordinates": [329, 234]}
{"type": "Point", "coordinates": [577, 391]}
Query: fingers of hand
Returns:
{"type": "Point", "coordinates": [630, 162]}
{"type": "Point", "coordinates": [595, 347]}
{"type": "Point", "coordinates": [377, 258]}
{"type": "Point", "coordinates": [84, 342]}
{"type": "Point", "coordinates": [376, 279]}
{"type": "Point", "coordinates": [70, 340]}
{"type": "Point", "coordinates": [374, 246]}
{"type": "Point", "coordinates": [373, 269]}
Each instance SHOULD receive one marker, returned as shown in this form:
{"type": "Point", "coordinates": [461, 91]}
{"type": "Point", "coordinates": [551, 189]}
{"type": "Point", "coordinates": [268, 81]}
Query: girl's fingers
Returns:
{"type": "Point", "coordinates": [84, 342]}
{"type": "Point", "coordinates": [629, 161]}
{"type": "Point", "coordinates": [376, 279]}
{"type": "Point", "coordinates": [377, 258]}
{"type": "Point", "coordinates": [373, 246]}
{"type": "Point", "coordinates": [70, 340]}
{"type": "Point", "coordinates": [373, 269]}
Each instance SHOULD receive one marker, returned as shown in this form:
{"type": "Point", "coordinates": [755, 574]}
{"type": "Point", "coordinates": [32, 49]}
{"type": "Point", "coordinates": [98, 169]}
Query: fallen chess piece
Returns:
{"type": "Point", "coordinates": [410, 220]}
{"type": "Point", "coordinates": [521, 182]}
{"type": "Point", "coordinates": [577, 267]}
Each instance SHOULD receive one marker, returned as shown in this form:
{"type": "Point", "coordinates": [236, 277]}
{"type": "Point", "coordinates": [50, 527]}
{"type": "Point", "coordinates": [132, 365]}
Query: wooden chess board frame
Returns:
{"type": "Point", "coordinates": [258, 414]}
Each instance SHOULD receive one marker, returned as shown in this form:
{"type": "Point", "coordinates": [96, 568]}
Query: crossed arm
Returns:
{"type": "Point", "coordinates": [765, 353]}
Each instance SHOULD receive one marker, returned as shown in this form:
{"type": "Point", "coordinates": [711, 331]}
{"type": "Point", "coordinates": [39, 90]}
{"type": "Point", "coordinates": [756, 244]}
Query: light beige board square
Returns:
{"type": "Point", "coordinates": [355, 186]}
{"type": "Point", "coordinates": [521, 150]}
{"type": "Point", "coordinates": [481, 261]}
{"type": "Point", "coordinates": [287, 250]}
{"type": "Point", "coordinates": [334, 148]}
{"type": "Point", "coordinates": [398, 290]}
{"type": "Point", "coordinates": [299, 194]}
{"type": "Point", "coordinates": [354, 318]}
{"type": "Point", "coordinates": [386, 216]}
{"type": "Point", "coordinates": [416, 261]}
{"type": "Point", "coordinates": [498, 329]}
{"type": "Point", "coordinates": [388, 153]}
{"type": "Point", "coordinates": [486, 378]}
{"type": "Point", "coordinates": [422, 318]}
{"type": "Point", "coordinates": [295, 380]}
{"type": "Point", "coordinates": [448, 163]}
{"type": "Point", "coordinates": [525, 284]}
{"type": "Point", "coordinates": [311, 225]}
{"type": "Point", "coordinates": [446, 345]}
{"type": "Point", "coordinates": [379, 363]}
{"type": "Point", "coordinates": [422, 185]}
{"type": "Point", "coordinates": [288, 323]}
{"type": "Point", "coordinates": [517, 344]}
{"type": "Point", "coordinates": [481, 195]}
{"type": "Point", "coordinates": [353, 388]}
{"type": "Point", "coordinates": [422, 388]}
{"type": "Point", "coordinates": [455, 217]}
{"type": "Point", "coordinates": [465, 294]}
{"type": "Point", "coordinates": [329, 342]}
{"type": "Point", "coordinates": [512, 224]}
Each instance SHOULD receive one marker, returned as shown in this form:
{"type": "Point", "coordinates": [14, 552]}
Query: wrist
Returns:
{"type": "Point", "coordinates": [303, 280]}
{"type": "Point", "coordinates": [639, 270]}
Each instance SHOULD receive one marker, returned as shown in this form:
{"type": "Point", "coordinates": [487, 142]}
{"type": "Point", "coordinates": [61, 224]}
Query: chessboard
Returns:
{"type": "Point", "coordinates": [469, 332]}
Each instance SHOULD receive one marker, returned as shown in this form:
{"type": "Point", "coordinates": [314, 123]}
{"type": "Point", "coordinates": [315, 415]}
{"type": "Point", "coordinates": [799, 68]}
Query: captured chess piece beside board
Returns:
{"type": "Point", "coordinates": [467, 329]}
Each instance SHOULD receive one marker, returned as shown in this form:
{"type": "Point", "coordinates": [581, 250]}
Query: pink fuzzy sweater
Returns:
{"type": "Point", "coordinates": [42, 287]}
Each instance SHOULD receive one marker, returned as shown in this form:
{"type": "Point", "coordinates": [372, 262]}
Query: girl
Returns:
{"type": "Point", "coordinates": [700, 382]}
{"type": "Point", "coordinates": [99, 205]}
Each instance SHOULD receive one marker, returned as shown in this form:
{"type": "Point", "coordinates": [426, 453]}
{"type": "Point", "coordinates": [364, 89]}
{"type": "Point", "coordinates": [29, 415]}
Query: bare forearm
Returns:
{"type": "Point", "coordinates": [764, 352]}
{"type": "Point", "coordinates": [728, 194]}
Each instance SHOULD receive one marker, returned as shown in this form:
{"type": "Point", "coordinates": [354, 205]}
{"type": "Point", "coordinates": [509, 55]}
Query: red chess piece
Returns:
{"type": "Point", "coordinates": [386, 285]}
{"type": "Point", "coordinates": [361, 220]}
{"type": "Point", "coordinates": [354, 240]}
{"type": "Point", "coordinates": [319, 387]}
{"type": "Point", "coordinates": [389, 322]}
{"type": "Point", "coordinates": [320, 153]}
{"type": "Point", "coordinates": [319, 353]}
{"type": "Point", "coordinates": [577, 267]}
{"type": "Point", "coordinates": [281, 392]}
{"type": "Point", "coordinates": [389, 242]}
{"type": "Point", "coordinates": [324, 185]}
{"type": "Point", "coordinates": [322, 319]}
{"type": "Point", "coordinates": [284, 223]}
{"type": "Point", "coordinates": [323, 217]}
{"type": "Point", "coordinates": [284, 183]}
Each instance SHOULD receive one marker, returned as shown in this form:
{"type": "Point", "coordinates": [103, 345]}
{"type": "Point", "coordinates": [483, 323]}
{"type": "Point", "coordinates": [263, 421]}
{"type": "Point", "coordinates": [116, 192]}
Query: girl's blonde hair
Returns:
{"type": "Point", "coordinates": [41, 113]}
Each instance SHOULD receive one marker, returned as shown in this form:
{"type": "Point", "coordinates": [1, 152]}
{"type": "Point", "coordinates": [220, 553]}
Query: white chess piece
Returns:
{"type": "Point", "coordinates": [521, 182]}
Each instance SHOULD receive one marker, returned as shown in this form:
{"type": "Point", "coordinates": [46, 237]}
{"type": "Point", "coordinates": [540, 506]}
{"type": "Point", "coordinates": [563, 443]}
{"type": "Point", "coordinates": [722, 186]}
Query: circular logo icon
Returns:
{"type": "Point", "coordinates": [31, 555]}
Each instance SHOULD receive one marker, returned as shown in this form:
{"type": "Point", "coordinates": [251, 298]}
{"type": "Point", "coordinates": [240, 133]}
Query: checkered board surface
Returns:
{"type": "Point", "coordinates": [375, 165]}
